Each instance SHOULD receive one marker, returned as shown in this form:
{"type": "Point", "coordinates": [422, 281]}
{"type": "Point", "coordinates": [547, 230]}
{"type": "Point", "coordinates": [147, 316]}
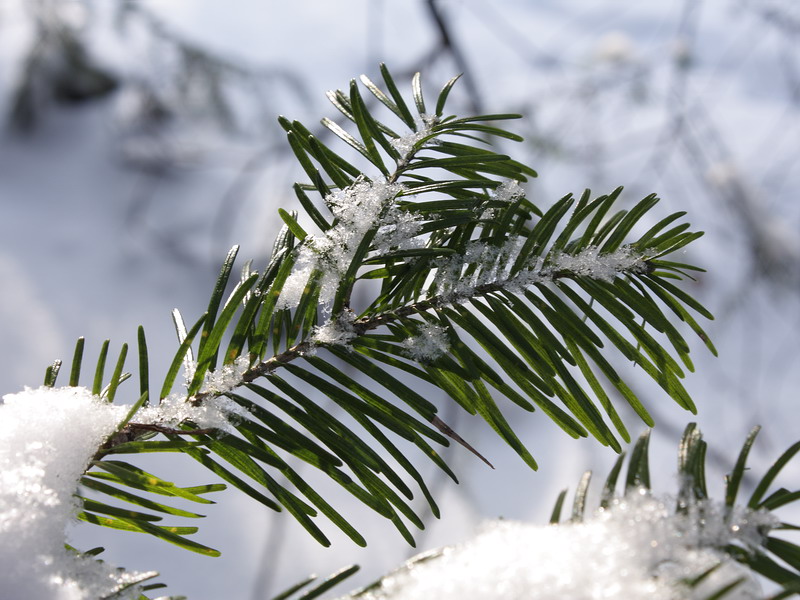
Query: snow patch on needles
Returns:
{"type": "Point", "coordinates": [336, 331]}
{"type": "Point", "coordinates": [228, 378]}
{"type": "Point", "coordinates": [430, 343]}
{"type": "Point", "coordinates": [480, 264]}
{"type": "Point", "coordinates": [216, 411]}
{"type": "Point", "coordinates": [506, 192]}
{"type": "Point", "coordinates": [637, 548]}
{"type": "Point", "coordinates": [357, 209]}
{"type": "Point", "coordinates": [47, 438]}
{"type": "Point", "coordinates": [405, 145]}
{"type": "Point", "coordinates": [398, 231]}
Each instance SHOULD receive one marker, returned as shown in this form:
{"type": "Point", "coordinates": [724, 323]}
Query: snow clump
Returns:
{"type": "Point", "coordinates": [430, 343]}
{"type": "Point", "coordinates": [336, 331]}
{"type": "Point", "coordinates": [508, 190]}
{"type": "Point", "coordinates": [214, 412]}
{"type": "Point", "coordinates": [639, 547]}
{"type": "Point", "coordinates": [405, 144]}
{"type": "Point", "coordinates": [228, 378]}
{"type": "Point", "coordinates": [48, 436]}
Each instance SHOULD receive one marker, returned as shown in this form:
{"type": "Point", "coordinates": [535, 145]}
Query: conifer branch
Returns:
{"type": "Point", "coordinates": [482, 296]}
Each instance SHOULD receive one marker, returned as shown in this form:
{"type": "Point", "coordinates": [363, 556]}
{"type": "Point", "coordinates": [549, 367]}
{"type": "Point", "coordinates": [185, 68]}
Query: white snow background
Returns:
{"type": "Point", "coordinates": [90, 246]}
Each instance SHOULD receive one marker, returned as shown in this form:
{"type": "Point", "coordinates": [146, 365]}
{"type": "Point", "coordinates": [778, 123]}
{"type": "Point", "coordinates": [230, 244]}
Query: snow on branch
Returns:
{"type": "Point", "coordinates": [491, 266]}
{"type": "Point", "coordinates": [430, 343]}
{"type": "Point", "coordinates": [453, 283]}
{"type": "Point", "coordinates": [357, 209]}
{"type": "Point", "coordinates": [214, 412]}
{"type": "Point", "coordinates": [338, 330]}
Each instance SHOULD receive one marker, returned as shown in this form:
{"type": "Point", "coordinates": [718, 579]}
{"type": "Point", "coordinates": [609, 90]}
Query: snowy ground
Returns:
{"type": "Point", "coordinates": [698, 102]}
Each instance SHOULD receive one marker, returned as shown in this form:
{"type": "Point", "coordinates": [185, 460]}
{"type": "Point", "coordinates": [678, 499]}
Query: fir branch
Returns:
{"type": "Point", "coordinates": [479, 252]}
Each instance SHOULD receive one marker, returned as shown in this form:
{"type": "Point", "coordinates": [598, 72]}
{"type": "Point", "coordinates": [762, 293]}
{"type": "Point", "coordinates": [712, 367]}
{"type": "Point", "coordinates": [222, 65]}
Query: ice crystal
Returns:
{"type": "Point", "coordinates": [405, 144]}
{"type": "Point", "coordinates": [639, 547]}
{"type": "Point", "coordinates": [508, 191]}
{"type": "Point", "coordinates": [430, 343]}
{"type": "Point", "coordinates": [337, 330]}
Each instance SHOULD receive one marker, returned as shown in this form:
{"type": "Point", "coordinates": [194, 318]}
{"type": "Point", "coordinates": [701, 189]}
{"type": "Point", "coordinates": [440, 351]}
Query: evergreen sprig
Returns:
{"type": "Point", "coordinates": [427, 268]}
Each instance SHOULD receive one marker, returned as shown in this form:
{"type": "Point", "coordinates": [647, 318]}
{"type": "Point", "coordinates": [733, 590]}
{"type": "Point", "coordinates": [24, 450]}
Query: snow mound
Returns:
{"type": "Point", "coordinates": [47, 438]}
{"type": "Point", "coordinates": [639, 547]}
